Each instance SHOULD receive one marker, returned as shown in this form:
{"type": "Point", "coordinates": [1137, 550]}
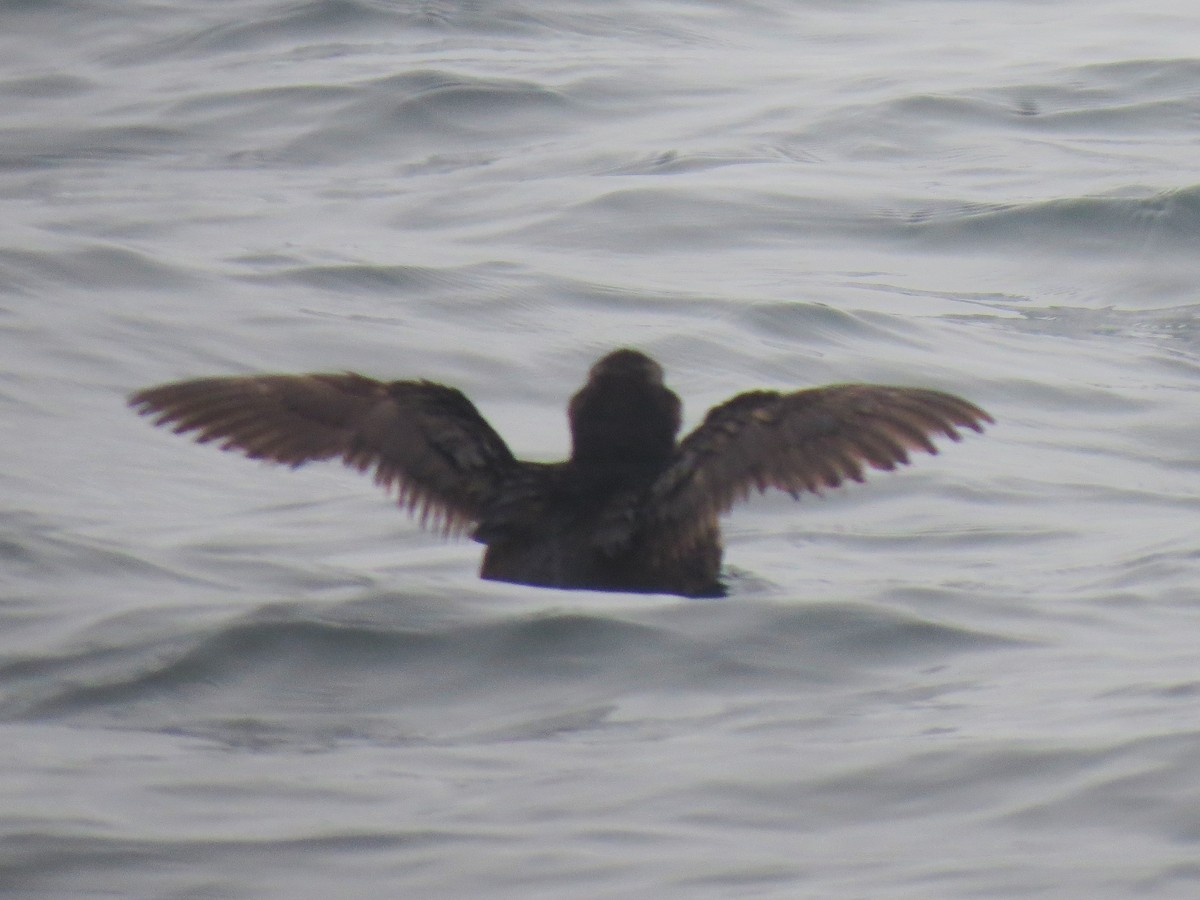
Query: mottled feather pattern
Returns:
{"type": "Point", "coordinates": [632, 509]}
{"type": "Point", "coordinates": [424, 440]}
{"type": "Point", "coordinates": [806, 441]}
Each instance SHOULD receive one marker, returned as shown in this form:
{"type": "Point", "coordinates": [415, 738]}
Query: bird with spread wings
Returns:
{"type": "Point", "coordinates": [632, 509]}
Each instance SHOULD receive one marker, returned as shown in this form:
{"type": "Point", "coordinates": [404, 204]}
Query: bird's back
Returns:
{"type": "Point", "coordinates": [575, 526]}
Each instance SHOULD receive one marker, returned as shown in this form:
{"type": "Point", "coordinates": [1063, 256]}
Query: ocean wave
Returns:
{"type": "Point", "coordinates": [1164, 221]}
{"type": "Point", "coordinates": [53, 146]}
{"type": "Point", "coordinates": [94, 265]}
{"type": "Point", "coordinates": [432, 111]}
{"type": "Point", "coordinates": [322, 676]}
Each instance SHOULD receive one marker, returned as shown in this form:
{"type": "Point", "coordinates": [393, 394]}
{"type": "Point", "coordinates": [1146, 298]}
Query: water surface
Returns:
{"type": "Point", "coordinates": [974, 678]}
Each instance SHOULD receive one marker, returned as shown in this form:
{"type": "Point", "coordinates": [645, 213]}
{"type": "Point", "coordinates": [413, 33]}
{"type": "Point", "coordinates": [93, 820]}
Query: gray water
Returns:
{"type": "Point", "coordinates": [975, 678]}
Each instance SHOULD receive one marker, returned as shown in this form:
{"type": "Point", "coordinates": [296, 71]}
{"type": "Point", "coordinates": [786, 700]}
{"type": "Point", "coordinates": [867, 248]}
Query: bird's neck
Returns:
{"type": "Point", "coordinates": [632, 425]}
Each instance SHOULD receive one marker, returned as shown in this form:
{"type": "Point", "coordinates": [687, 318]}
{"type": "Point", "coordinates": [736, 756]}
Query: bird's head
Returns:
{"type": "Point", "coordinates": [624, 413]}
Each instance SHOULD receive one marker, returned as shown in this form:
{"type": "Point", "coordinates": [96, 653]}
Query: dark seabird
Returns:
{"type": "Point", "coordinates": [631, 510]}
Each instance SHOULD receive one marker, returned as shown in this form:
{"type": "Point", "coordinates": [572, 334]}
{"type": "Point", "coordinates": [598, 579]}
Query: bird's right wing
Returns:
{"type": "Point", "coordinates": [803, 441]}
{"type": "Point", "coordinates": [426, 440]}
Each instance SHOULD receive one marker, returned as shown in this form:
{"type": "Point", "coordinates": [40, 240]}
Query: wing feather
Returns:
{"type": "Point", "coordinates": [806, 441]}
{"type": "Point", "coordinates": [425, 441]}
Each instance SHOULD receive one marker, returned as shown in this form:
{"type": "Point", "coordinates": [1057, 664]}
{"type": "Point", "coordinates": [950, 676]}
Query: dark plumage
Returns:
{"type": "Point", "coordinates": [631, 510]}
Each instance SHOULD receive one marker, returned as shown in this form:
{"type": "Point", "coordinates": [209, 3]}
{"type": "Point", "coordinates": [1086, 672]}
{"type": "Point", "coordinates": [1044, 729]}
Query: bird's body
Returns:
{"type": "Point", "coordinates": [630, 510]}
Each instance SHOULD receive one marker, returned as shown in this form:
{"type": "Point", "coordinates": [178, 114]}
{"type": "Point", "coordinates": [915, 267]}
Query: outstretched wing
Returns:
{"type": "Point", "coordinates": [426, 440]}
{"type": "Point", "coordinates": [805, 441]}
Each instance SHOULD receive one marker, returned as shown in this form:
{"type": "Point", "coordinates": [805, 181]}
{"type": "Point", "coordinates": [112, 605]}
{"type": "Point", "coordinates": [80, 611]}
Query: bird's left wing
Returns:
{"type": "Point", "coordinates": [426, 440]}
